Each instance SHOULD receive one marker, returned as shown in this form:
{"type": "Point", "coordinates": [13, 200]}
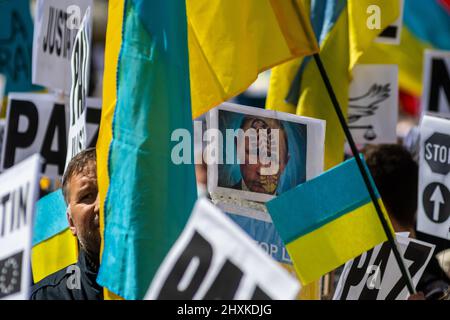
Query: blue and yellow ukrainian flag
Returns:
{"type": "Point", "coordinates": [161, 59]}
{"type": "Point", "coordinates": [54, 246]}
{"type": "Point", "coordinates": [149, 198]}
{"type": "Point", "coordinates": [296, 86]}
{"type": "Point", "coordinates": [426, 25]}
{"type": "Point", "coordinates": [327, 221]}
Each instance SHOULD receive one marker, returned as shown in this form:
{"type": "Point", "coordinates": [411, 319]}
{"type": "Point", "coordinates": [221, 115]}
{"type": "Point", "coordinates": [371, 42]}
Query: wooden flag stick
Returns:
{"type": "Point", "coordinates": [365, 174]}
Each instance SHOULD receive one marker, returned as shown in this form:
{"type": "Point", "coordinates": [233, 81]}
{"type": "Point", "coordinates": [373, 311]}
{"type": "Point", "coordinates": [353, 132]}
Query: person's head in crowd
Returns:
{"type": "Point", "coordinates": [253, 174]}
{"type": "Point", "coordinates": [81, 195]}
{"type": "Point", "coordinates": [396, 176]}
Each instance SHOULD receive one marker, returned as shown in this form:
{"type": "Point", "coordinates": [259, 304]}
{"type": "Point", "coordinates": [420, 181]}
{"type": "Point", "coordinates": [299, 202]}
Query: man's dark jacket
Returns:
{"type": "Point", "coordinates": [62, 284]}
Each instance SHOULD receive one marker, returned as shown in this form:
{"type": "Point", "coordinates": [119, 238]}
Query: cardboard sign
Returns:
{"type": "Point", "coordinates": [56, 26]}
{"type": "Point", "coordinates": [38, 123]}
{"type": "Point", "coordinates": [436, 82]}
{"type": "Point", "coordinates": [373, 103]}
{"type": "Point", "coordinates": [214, 259]}
{"type": "Point", "coordinates": [255, 154]}
{"type": "Point", "coordinates": [434, 179]}
{"type": "Point", "coordinates": [391, 35]}
{"type": "Point", "coordinates": [16, 36]}
{"type": "Point", "coordinates": [18, 194]}
{"type": "Point", "coordinates": [375, 275]}
{"type": "Point", "coordinates": [79, 90]}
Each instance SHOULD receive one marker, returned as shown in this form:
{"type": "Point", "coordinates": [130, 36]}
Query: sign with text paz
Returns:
{"type": "Point", "coordinates": [373, 103]}
{"type": "Point", "coordinates": [436, 82]}
{"type": "Point", "coordinates": [18, 195]}
{"type": "Point", "coordinates": [16, 37]}
{"type": "Point", "coordinates": [434, 177]}
{"type": "Point", "coordinates": [38, 123]}
{"type": "Point", "coordinates": [214, 259]}
{"type": "Point", "coordinates": [391, 35]}
{"type": "Point", "coordinates": [79, 90]}
{"type": "Point", "coordinates": [375, 274]}
{"type": "Point", "coordinates": [56, 26]}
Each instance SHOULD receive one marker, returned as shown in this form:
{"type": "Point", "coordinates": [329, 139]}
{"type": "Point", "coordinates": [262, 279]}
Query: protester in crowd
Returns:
{"type": "Point", "coordinates": [252, 177]}
{"type": "Point", "coordinates": [396, 176]}
{"type": "Point", "coordinates": [78, 281]}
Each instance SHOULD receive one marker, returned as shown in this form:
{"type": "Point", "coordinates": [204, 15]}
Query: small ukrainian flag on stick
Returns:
{"type": "Point", "coordinates": [328, 220]}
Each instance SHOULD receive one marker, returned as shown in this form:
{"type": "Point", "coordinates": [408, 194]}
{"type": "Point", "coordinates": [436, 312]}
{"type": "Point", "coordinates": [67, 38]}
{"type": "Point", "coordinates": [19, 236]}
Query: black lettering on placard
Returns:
{"type": "Point", "coordinates": [381, 262]}
{"type": "Point", "coordinates": [56, 125]}
{"type": "Point", "coordinates": [440, 79]}
{"type": "Point", "coordinates": [389, 32]}
{"type": "Point", "coordinates": [13, 209]}
{"type": "Point", "coordinates": [93, 116]}
{"type": "Point", "coordinates": [356, 275]}
{"type": "Point", "coordinates": [15, 138]}
{"type": "Point", "coordinates": [418, 254]}
{"type": "Point", "coordinates": [226, 283]}
{"type": "Point", "coordinates": [197, 248]}
{"type": "Point", "coordinates": [58, 38]}
{"type": "Point", "coordinates": [22, 209]}
{"type": "Point", "coordinates": [259, 294]}
{"type": "Point", "coordinates": [4, 200]}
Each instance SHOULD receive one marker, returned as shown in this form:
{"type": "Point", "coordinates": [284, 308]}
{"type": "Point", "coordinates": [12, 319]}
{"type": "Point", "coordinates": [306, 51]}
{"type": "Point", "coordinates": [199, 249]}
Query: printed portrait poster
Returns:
{"type": "Point", "coordinates": [256, 154]}
{"type": "Point", "coordinates": [56, 25]}
{"type": "Point", "coordinates": [373, 103]}
{"type": "Point", "coordinates": [18, 193]}
{"type": "Point", "coordinates": [213, 259]}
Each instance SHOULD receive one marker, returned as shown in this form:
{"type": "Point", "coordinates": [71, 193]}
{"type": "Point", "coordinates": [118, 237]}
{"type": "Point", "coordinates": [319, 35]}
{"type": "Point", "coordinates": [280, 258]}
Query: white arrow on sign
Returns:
{"type": "Point", "coordinates": [438, 199]}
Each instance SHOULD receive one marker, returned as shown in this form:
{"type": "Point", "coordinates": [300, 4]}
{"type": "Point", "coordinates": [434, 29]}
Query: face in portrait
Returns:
{"type": "Point", "coordinates": [262, 154]}
{"type": "Point", "coordinates": [271, 155]}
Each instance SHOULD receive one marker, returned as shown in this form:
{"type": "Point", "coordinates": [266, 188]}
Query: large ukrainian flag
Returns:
{"type": "Point", "coordinates": [158, 63]}
{"type": "Point", "coordinates": [426, 25]}
{"type": "Point", "coordinates": [296, 86]}
{"type": "Point", "coordinates": [149, 198]}
{"type": "Point", "coordinates": [327, 221]}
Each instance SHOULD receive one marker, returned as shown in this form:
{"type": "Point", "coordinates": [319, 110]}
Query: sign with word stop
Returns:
{"type": "Point", "coordinates": [434, 178]}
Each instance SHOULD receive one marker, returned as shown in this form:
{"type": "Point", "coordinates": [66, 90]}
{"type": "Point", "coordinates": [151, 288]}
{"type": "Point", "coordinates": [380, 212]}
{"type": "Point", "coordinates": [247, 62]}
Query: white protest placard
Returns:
{"type": "Point", "coordinates": [391, 34]}
{"type": "Point", "coordinates": [436, 82]}
{"type": "Point", "coordinates": [434, 178]}
{"type": "Point", "coordinates": [38, 123]}
{"type": "Point", "coordinates": [373, 103]}
{"type": "Point", "coordinates": [214, 259]}
{"type": "Point", "coordinates": [79, 90]}
{"type": "Point", "coordinates": [18, 193]}
{"type": "Point", "coordinates": [55, 28]}
{"type": "Point", "coordinates": [375, 275]}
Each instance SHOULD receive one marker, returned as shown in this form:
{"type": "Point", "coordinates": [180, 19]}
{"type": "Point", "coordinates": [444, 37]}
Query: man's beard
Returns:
{"type": "Point", "coordinates": [90, 242]}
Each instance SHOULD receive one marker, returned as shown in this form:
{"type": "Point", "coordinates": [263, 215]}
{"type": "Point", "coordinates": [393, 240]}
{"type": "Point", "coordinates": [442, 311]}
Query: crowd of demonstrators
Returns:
{"type": "Point", "coordinates": [393, 169]}
{"type": "Point", "coordinates": [396, 173]}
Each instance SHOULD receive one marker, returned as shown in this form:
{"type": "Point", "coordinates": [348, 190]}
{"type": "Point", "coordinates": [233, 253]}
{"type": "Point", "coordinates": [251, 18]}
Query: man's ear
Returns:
{"type": "Point", "coordinates": [72, 227]}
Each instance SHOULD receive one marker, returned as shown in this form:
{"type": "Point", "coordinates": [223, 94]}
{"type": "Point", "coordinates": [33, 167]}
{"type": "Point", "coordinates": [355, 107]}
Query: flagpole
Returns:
{"type": "Point", "coordinates": [364, 173]}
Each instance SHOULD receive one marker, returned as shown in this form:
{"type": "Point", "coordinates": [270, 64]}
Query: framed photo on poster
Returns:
{"type": "Point", "coordinates": [256, 154]}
